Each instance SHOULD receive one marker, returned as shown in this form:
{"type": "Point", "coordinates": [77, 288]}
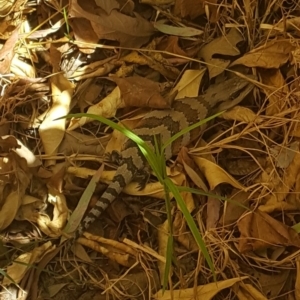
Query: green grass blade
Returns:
{"type": "Point", "coordinates": [191, 223]}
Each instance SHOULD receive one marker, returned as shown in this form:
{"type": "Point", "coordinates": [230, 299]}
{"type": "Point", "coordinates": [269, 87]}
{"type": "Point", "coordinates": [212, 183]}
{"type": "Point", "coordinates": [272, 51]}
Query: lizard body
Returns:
{"type": "Point", "coordinates": [166, 123]}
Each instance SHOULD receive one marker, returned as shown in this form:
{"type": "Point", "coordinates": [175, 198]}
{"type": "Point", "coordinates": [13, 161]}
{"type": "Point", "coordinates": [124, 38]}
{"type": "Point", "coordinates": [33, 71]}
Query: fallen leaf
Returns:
{"type": "Point", "coordinates": [51, 130]}
{"type": "Point", "coordinates": [7, 52]}
{"type": "Point", "coordinates": [206, 292]}
{"type": "Point", "coordinates": [242, 114]}
{"type": "Point", "coordinates": [177, 31]}
{"type": "Point", "coordinates": [25, 261]}
{"type": "Point", "coordinates": [277, 93]}
{"type": "Point", "coordinates": [189, 8]}
{"type": "Point", "coordinates": [235, 207]}
{"type": "Point", "coordinates": [155, 61]}
{"type": "Point", "coordinates": [141, 92]}
{"type": "Point", "coordinates": [189, 83]}
{"type": "Point", "coordinates": [259, 231]}
{"type": "Point", "coordinates": [170, 44]}
{"type": "Point", "coordinates": [273, 54]}
{"type": "Point", "coordinates": [280, 186]}
{"type": "Point", "coordinates": [214, 174]}
{"type": "Point", "coordinates": [129, 31]}
{"type": "Point", "coordinates": [224, 45]}
{"type": "Point", "coordinates": [106, 108]}
{"type": "Point", "coordinates": [285, 155]}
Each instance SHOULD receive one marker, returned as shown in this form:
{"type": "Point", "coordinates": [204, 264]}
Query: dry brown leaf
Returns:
{"type": "Point", "coordinates": [106, 108]}
{"type": "Point", "coordinates": [247, 291]}
{"type": "Point", "coordinates": [155, 61]}
{"type": "Point", "coordinates": [271, 284]}
{"type": "Point", "coordinates": [285, 155]}
{"type": "Point", "coordinates": [224, 45]}
{"type": "Point", "coordinates": [22, 68]}
{"type": "Point", "coordinates": [297, 283]}
{"type": "Point", "coordinates": [84, 34]}
{"type": "Point", "coordinates": [213, 212]}
{"type": "Point", "coordinates": [189, 8]}
{"type": "Point", "coordinates": [51, 130]}
{"type": "Point", "coordinates": [14, 182]}
{"type": "Point", "coordinates": [193, 9]}
{"type": "Point", "coordinates": [162, 238]}
{"type": "Point", "coordinates": [242, 114]}
{"type": "Point", "coordinates": [7, 52]}
{"type": "Point", "coordinates": [170, 44]}
{"type": "Point", "coordinates": [259, 231]}
{"type": "Point", "coordinates": [273, 54]}
{"type": "Point", "coordinates": [206, 292]}
{"type": "Point", "coordinates": [53, 227]}
{"type": "Point", "coordinates": [276, 100]}
{"type": "Point", "coordinates": [215, 175]}
{"type": "Point", "coordinates": [291, 24]}
{"type": "Point", "coordinates": [190, 169]}
{"type": "Point", "coordinates": [157, 2]}
{"type": "Point", "coordinates": [129, 31]}
{"type": "Point", "coordinates": [141, 92]}
{"type": "Point", "coordinates": [95, 69]}
{"type": "Point", "coordinates": [25, 261]}
{"type": "Point", "coordinates": [280, 187]}
{"type": "Point", "coordinates": [110, 252]}
{"type": "Point", "coordinates": [233, 208]}
{"type": "Point", "coordinates": [189, 83]}
{"type": "Point", "coordinates": [181, 234]}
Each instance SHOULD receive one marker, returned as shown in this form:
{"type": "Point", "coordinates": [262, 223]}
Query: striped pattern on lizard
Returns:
{"type": "Point", "coordinates": [184, 112]}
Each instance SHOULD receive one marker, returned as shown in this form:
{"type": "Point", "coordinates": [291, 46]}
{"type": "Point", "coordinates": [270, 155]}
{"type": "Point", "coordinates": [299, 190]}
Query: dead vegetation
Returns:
{"type": "Point", "coordinates": [120, 59]}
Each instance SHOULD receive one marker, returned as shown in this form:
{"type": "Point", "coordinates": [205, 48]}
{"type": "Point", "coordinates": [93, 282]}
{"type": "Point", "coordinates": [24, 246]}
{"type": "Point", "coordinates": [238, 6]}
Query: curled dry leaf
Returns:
{"type": "Point", "coordinates": [54, 227]}
{"type": "Point", "coordinates": [215, 175]}
{"type": "Point", "coordinates": [224, 45]}
{"type": "Point", "coordinates": [52, 131]}
{"type": "Point", "coordinates": [22, 68]}
{"type": "Point", "coordinates": [273, 54]}
{"type": "Point", "coordinates": [106, 108]}
{"type": "Point", "coordinates": [14, 182]}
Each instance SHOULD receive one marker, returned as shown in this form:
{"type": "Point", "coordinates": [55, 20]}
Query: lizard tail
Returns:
{"type": "Point", "coordinates": [122, 177]}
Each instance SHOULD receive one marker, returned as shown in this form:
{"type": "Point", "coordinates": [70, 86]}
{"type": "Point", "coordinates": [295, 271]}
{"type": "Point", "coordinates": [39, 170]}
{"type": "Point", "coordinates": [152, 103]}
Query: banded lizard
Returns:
{"type": "Point", "coordinates": [184, 112]}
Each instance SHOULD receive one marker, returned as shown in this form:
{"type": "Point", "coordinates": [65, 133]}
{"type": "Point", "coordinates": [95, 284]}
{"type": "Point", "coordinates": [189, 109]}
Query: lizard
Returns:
{"type": "Point", "coordinates": [166, 123]}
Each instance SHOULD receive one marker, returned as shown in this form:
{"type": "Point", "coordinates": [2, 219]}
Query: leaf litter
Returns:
{"type": "Point", "coordinates": [120, 59]}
